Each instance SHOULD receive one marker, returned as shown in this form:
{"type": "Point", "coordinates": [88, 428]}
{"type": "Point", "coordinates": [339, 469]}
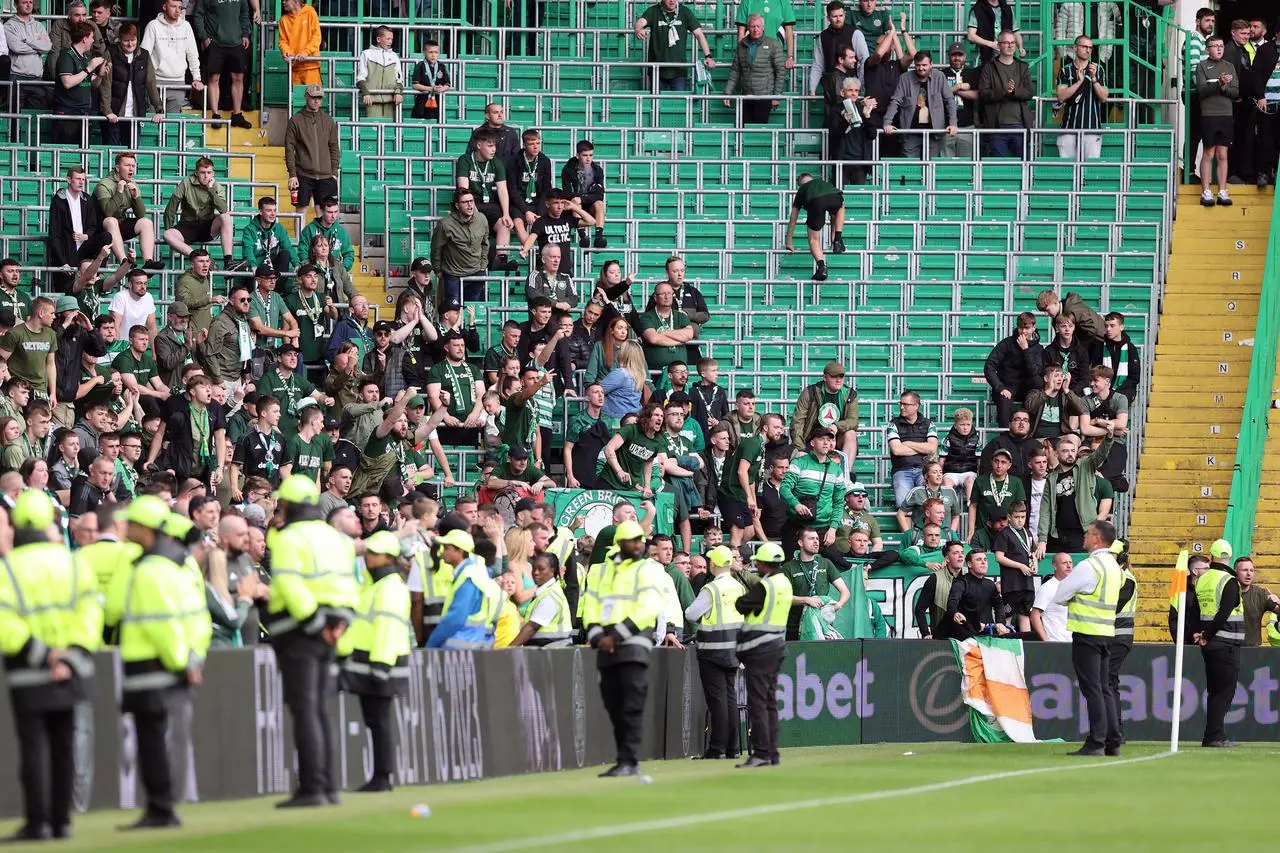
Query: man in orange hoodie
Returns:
{"type": "Point", "coordinates": [300, 36]}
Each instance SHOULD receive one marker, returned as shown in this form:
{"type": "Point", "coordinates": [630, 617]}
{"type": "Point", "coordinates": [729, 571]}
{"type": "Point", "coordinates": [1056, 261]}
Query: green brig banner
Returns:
{"type": "Point", "coordinates": [908, 691]}
{"type": "Point", "coordinates": [594, 507]}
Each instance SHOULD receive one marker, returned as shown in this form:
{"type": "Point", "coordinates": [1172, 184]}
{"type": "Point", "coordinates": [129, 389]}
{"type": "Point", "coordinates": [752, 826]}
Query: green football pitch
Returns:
{"type": "Point", "coordinates": [881, 798]}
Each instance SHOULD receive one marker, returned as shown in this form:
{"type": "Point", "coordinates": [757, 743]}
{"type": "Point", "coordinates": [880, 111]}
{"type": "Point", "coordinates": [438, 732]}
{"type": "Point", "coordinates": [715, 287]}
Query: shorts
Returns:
{"type": "Point", "coordinates": [492, 212]}
{"type": "Point", "coordinates": [589, 199]}
{"type": "Point", "coordinates": [818, 209]}
{"type": "Point", "coordinates": [223, 59]}
{"type": "Point", "coordinates": [318, 189]}
{"type": "Point", "coordinates": [1217, 130]}
{"type": "Point", "coordinates": [196, 232]}
{"type": "Point", "coordinates": [1019, 603]}
{"type": "Point", "coordinates": [735, 512]}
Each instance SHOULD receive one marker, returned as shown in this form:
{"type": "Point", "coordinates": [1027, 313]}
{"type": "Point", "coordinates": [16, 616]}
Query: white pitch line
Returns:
{"type": "Point", "coordinates": [551, 841]}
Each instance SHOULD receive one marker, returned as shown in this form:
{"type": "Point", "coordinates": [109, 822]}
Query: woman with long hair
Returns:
{"type": "Point", "coordinates": [604, 355]}
{"type": "Point", "coordinates": [10, 432]}
{"type": "Point", "coordinates": [35, 475]}
{"type": "Point", "coordinates": [335, 281]}
{"type": "Point", "coordinates": [615, 292]}
{"type": "Point", "coordinates": [626, 386]}
{"type": "Point", "coordinates": [519, 546]}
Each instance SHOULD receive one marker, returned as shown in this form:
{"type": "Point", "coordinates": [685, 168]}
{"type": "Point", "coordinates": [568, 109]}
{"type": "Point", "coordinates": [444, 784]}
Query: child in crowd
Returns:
{"type": "Point", "coordinates": [959, 453]}
{"type": "Point", "coordinates": [1014, 546]}
{"type": "Point", "coordinates": [712, 395]}
{"type": "Point", "coordinates": [430, 82]}
{"type": "Point", "coordinates": [492, 408]}
{"type": "Point", "coordinates": [380, 77]}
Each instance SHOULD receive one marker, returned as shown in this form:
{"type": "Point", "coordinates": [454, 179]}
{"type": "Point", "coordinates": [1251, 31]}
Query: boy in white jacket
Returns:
{"type": "Point", "coordinates": [380, 77]}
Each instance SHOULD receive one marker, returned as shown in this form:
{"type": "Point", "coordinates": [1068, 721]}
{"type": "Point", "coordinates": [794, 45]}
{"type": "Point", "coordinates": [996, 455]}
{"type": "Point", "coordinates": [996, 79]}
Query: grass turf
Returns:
{"type": "Point", "coordinates": [708, 805]}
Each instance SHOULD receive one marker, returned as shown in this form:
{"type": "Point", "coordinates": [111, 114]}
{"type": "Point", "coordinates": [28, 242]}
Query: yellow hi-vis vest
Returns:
{"type": "Point", "coordinates": [47, 601]}
{"type": "Point", "coordinates": [562, 545]}
{"type": "Point", "coordinates": [1126, 616]}
{"type": "Point", "coordinates": [146, 601]}
{"type": "Point", "coordinates": [718, 628]}
{"type": "Point", "coordinates": [559, 631]}
{"type": "Point", "coordinates": [768, 627]}
{"type": "Point", "coordinates": [484, 618]}
{"type": "Point", "coordinates": [311, 578]}
{"type": "Point", "coordinates": [435, 588]}
{"type": "Point", "coordinates": [107, 556]}
{"type": "Point", "coordinates": [1209, 594]}
{"type": "Point", "coordinates": [374, 651]}
{"type": "Point", "coordinates": [626, 596]}
{"type": "Point", "coordinates": [1273, 631]}
{"type": "Point", "coordinates": [1093, 614]}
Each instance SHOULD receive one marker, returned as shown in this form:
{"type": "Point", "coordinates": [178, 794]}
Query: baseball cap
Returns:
{"type": "Point", "coordinates": [417, 402]}
{"type": "Point", "coordinates": [384, 326]}
{"type": "Point", "coordinates": [285, 348]}
{"type": "Point", "coordinates": [265, 271]}
{"type": "Point", "coordinates": [420, 265]}
{"type": "Point", "coordinates": [957, 47]}
{"type": "Point", "coordinates": [857, 489]}
{"type": "Point", "coordinates": [1002, 452]}
{"type": "Point", "coordinates": [997, 513]}
{"type": "Point", "coordinates": [833, 368]}
{"type": "Point", "coordinates": [306, 269]}
{"type": "Point", "coordinates": [179, 309]}
{"type": "Point", "coordinates": [518, 451]}
{"type": "Point", "coordinates": [331, 422]}
{"type": "Point", "coordinates": [315, 90]}
{"type": "Point", "coordinates": [822, 431]}
{"type": "Point", "coordinates": [450, 305]}
{"type": "Point", "coordinates": [720, 555]}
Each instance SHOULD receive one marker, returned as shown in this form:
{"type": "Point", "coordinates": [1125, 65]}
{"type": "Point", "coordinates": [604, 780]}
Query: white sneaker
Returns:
{"type": "Point", "coordinates": [1223, 198]}
{"type": "Point", "coordinates": [1206, 198]}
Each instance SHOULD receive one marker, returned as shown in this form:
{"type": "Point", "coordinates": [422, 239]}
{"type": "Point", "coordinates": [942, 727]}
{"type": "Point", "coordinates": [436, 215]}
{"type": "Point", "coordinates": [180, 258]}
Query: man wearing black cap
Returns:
{"type": "Point", "coordinates": [268, 316]}
{"type": "Point", "coordinates": [314, 312]}
{"type": "Point", "coordinates": [517, 472]}
{"type": "Point", "coordinates": [964, 87]}
{"type": "Point", "coordinates": [385, 360]}
{"type": "Point", "coordinates": [290, 387]}
{"type": "Point", "coordinates": [419, 284]}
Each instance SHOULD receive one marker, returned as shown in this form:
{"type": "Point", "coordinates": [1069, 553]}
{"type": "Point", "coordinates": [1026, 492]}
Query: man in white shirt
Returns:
{"type": "Point", "coordinates": [1037, 476]}
{"type": "Point", "coordinates": [133, 306]}
{"type": "Point", "coordinates": [172, 45]}
{"type": "Point", "coordinates": [1048, 618]}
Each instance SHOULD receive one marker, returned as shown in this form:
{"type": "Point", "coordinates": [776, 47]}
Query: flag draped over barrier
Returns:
{"type": "Point", "coordinates": [994, 686]}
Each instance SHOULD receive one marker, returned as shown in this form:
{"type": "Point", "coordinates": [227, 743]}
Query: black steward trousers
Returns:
{"type": "Point", "coordinates": [306, 671]}
{"type": "Point", "coordinates": [1222, 671]}
{"type": "Point", "coordinates": [624, 687]}
{"type": "Point", "coordinates": [1118, 651]}
{"type": "Point", "coordinates": [377, 717]}
{"type": "Point", "coordinates": [46, 765]}
{"type": "Point", "coordinates": [720, 687]}
{"type": "Point", "coordinates": [151, 726]}
{"type": "Point", "coordinates": [1091, 658]}
{"type": "Point", "coordinates": [762, 700]}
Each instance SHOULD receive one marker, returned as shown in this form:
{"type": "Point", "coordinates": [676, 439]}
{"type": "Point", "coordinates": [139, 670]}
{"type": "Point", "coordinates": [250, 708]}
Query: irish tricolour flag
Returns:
{"type": "Point", "coordinates": [995, 689]}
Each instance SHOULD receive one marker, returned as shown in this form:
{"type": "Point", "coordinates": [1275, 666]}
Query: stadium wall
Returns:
{"type": "Point", "coordinates": [473, 715]}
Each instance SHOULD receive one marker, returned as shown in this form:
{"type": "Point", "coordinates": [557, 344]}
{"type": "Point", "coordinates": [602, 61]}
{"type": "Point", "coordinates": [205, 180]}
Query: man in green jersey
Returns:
{"type": "Point", "coordinates": [817, 198]}
{"type": "Point", "coordinates": [743, 470]}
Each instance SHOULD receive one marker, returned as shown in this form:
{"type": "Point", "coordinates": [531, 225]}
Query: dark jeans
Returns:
{"type": "Point", "coordinates": [1009, 144]}
{"type": "Point", "coordinates": [377, 717]}
{"type": "Point", "coordinates": [46, 765]}
{"type": "Point", "coordinates": [1071, 541]}
{"type": "Point", "coordinates": [308, 685]}
{"type": "Point", "coordinates": [762, 701]}
{"type": "Point", "coordinates": [1221, 672]}
{"type": "Point", "coordinates": [123, 133]}
{"type": "Point", "coordinates": [67, 131]}
{"type": "Point", "coordinates": [1090, 656]}
{"type": "Point", "coordinates": [757, 111]}
{"type": "Point", "coordinates": [624, 687]}
{"type": "Point", "coordinates": [1119, 650]}
{"type": "Point", "coordinates": [719, 686]}
{"type": "Point", "coordinates": [1240, 156]}
{"type": "Point", "coordinates": [470, 286]}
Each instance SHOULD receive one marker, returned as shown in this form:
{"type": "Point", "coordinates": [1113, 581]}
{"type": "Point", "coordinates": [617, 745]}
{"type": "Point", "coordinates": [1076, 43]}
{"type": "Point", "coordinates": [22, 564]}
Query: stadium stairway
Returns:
{"type": "Point", "coordinates": [1199, 376]}
{"type": "Point", "coordinates": [269, 168]}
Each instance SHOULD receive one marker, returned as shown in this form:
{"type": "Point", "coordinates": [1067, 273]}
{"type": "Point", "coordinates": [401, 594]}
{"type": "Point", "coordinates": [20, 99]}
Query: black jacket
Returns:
{"type": "Point", "coordinates": [978, 599]}
{"type": "Point", "coordinates": [1075, 361]}
{"type": "Point", "coordinates": [1020, 448]}
{"type": "Point", "coordinates": [1240, 59]}
{"type": "Point", "coordinates": [528, 191]}
{"type": "Point", "coordinates": [962, 452]}
{"type": "Point", "coordinates": [1111, 349]}
{"type": "Point", "coordinates": [508, 141]}
{"type": "Point", "coordinates": [138, 75]}
{"type": "Point", "coordinates": [569, 179]}
{"type": "Point", "coordinates": [61, 243]}
{"type": "Point", "coordinates": [1254, 84]}
{"type": "Point", "coordinates": [1010, 366]}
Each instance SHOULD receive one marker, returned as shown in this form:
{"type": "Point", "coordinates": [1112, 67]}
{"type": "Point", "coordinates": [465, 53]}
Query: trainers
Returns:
{"type": "Point", "coordinates": [837, 246]}
{"type": "Point", "coordinates": [584, 242]}
{"type": "Point", "coordinates": [153, 265]}
{"type": "Point", "coordinates": [820, 271]}
{"type": "Point", "coordinates": [1262, 181]}
{"type": "Point", "coordinates": [217, 120]}
{"type": "Point", "coordinates": [238, 120]}
{"type": "Point", "coordinates": [1223, 198]}
{"type": "Point", "coordinates": [1206, 198]}
{"type": "Point", "coordinates": [237, 266]}
{"type": "Point", "coordinates": [600, 242]}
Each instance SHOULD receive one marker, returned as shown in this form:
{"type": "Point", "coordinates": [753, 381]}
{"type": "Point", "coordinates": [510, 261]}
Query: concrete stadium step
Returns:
{"type": "Point", "coordinates": [1200, 373]}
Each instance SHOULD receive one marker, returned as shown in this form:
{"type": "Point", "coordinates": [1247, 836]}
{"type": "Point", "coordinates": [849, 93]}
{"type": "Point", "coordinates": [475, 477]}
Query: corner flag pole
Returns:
{"type": "Point", "coordinates": [1178, 592]}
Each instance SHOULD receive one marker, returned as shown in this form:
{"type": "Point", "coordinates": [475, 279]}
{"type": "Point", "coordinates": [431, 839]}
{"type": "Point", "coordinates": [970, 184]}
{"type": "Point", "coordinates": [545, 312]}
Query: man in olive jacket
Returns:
{"type": "Point", "coordinates": [759, 69]}
{"type": "Point", "coordinates": [460, 248]}
{"type": "Point", "coordinates": [828, 403]}
{"type": "Point", "coordinates": [124, 213]}
{"type": "Point", "coordinates": [227, 348]}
